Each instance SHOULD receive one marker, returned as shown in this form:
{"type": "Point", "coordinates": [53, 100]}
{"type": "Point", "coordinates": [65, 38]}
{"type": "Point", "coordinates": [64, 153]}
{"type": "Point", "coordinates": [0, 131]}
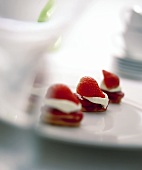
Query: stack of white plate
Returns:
{"type": "Point", "coordinates": [128, 67]}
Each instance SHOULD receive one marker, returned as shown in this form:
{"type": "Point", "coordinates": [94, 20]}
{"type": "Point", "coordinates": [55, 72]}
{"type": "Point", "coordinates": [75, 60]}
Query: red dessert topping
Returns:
{"type": "Point", "coordinates": [111, 80]}
{"type": "Point", "coordinates": [61, 91]}
{"type": "Point", "coordinates": [89, 87]}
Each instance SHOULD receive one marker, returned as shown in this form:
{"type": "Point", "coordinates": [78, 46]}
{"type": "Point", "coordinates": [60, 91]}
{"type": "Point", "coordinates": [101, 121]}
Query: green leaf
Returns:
{"type": "Point", "coordinates": [46, 11]}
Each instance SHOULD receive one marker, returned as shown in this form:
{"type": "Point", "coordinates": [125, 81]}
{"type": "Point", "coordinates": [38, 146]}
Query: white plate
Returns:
{"type": "Point", "coordinates": [127, 72]}
{"type": "Point", "coordinates": [120, 127]}
{"type": "Point", "coordinates": [129, 61]}
{"type": "Point", "coordinates": [130, 71]}
{"type": "Point", "coordinates": [129, 66]}
{"type": "Point", "coordinates": [126, 67]}
{"type": "Point", "coordinates": [129, 75]}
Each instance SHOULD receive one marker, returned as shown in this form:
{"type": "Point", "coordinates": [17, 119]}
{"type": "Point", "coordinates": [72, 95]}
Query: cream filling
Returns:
{"type": "Point", "coordinates": [63, 105]}
{"type": "Point", "coordinates": [103, 87]}
{"type": "Point", "coordinates": [99, 100]}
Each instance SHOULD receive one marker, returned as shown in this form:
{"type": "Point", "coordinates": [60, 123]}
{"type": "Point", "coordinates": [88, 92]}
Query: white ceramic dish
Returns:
{"type": "Point", "coordinates": [127, 74]}
{"type": "Point", "coordinates": [130, 66]}
{"type": "Point", "coordinates": [24, 42]}
{"type": "Point", "coordinates": [129, 62]}
{"type": "Point", "coordinates": [120, 127]}
{"type": "Point", "coordinates": [132, 40]}
{"type": "Point", "coordinates": [127, 67]}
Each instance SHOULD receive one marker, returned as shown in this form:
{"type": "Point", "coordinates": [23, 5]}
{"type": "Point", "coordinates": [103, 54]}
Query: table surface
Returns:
{"type": "Point", "coordinates": [86, 49]}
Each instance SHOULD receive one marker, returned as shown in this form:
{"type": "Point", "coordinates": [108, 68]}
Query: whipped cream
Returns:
{"type": "Point", "coordinates": [99, 100]}
{"type": "Point", "coordinates": [63, 105]}
{"type": "Point", "coordinates": [103, 87]}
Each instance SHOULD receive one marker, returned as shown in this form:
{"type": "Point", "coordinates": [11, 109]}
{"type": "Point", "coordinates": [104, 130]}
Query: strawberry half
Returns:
{"type": "Point", "coordinates": [89, 87]}
{"type": "Point", "coordinates": [61, 91]}
{"type": "Point", "coordinates": [111, 80]}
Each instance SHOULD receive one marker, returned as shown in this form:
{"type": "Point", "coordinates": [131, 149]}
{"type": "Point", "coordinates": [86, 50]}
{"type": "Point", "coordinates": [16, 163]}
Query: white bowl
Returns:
{"type": "Point", "coordinates": [132, 16]}
{"type": "Point", "coordinates": [132, 42]}
{"type": "Point", "coordinates": [24, 41]}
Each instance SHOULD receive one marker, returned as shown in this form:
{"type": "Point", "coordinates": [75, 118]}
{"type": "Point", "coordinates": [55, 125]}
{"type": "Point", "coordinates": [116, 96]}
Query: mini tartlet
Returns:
{"type": "Point", "coordinates": [61, 107]}
{"type": "Point", "coordinates": [111, 86]}
{"type": "Point", "coordinates": [92, 98]}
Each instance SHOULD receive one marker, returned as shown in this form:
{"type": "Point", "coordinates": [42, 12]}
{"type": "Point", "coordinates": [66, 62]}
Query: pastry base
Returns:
{"type": "Point", "coordinates": [61, 118]}
{"type": "Point", "coordinates": [114, 97]}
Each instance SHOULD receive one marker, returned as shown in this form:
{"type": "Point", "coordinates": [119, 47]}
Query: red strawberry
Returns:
{"type": "Point", "coordinates": [89, 87]}
{"type": "Point", "coordinates": [111, 80]}
{"type": "Point", "coordinates": [61, 91]}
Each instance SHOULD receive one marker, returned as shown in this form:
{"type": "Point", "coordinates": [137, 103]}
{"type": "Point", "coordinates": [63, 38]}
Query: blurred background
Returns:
{"type": "Point", "coordinates": [99, 39]}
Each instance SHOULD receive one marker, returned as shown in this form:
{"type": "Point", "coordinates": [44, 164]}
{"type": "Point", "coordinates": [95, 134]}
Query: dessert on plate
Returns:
{"type": "Point", "coordinates": [111, 86]}
{"type": "Point", "coordinates": [61, 106]}
{"type": "Point", "coordinates": [92, 98]}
